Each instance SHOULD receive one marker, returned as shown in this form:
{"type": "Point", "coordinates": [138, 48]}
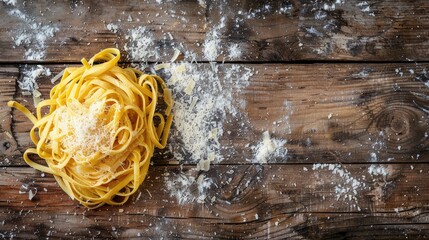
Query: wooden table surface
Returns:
{"type": "Point", "coordinates": [340, 86]}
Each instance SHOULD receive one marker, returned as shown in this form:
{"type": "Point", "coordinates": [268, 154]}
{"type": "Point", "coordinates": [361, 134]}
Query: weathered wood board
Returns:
{"type": "Point", "coordinates": [326, 113]}
{"type": "Point", "coordinates": [265, 31]}
{"type": "Point", "coordinates": [340, 86]}
{"type": "Point", "coordinates": [254, 201]}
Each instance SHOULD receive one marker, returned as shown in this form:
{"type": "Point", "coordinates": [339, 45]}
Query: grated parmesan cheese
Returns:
{"type": "Point", "coordinates": [30, 74]}
{"type": "Point", "coordinates": [140, 45]}
{"type": "Point", "coordinates": [182, 187]}
{"type": "Point", "coordinates": [58, 76]}
{"type": "Point", "coordinates": [32, 193]}
{"type": "Point", "coordinates": [203, 165]}
{"type": "Point", "coordinates": [201, 111]}
{"type": "Point", "coordinates": [176, 55]}
{"type": "Point", "coordinates": [378, 170]}
{"type": "Point", "coordinates": [269, 148]}
{"type": "Point", "coordinates": [161, 66]}
{"type": "Point", "coordinates": [85, 131]}
{"type": "Point", "coordinates": [190, 87]}
{"type": "Point", "coordinates": [36, 97]}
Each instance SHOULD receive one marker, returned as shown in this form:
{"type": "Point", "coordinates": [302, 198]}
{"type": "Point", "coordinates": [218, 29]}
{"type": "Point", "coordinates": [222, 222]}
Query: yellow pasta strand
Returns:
{"type": "Point", "coordinates": [101, 129]}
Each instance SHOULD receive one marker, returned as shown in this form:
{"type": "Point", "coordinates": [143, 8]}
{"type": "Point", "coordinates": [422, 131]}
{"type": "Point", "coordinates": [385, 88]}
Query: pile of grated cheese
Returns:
{"type": "Point", "coordinates": [87, 133]}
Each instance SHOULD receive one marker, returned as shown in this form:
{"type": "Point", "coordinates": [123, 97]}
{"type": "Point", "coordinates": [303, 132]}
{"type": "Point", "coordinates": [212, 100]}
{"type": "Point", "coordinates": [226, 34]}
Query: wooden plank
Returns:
{"type": "Point", "coordinates": [300, 201]}
{"type": "Point", "coordinates": [325, 113]}
{"type": "Point", "coordinates": [275, 31]}
{"type": "Point", "coordinates": [296, 226]}
{"type": "Point", "coordinates": [8, 145]}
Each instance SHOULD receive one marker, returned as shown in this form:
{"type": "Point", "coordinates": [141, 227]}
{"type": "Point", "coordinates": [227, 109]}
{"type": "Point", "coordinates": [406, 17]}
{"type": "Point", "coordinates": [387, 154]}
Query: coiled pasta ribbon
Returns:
{"type": "Point", "coordinates": [101, 129]}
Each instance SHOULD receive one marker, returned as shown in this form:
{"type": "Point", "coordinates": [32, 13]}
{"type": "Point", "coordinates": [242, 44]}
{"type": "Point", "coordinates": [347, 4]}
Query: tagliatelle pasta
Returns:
{"type": "Point", "coordinates": [101, 130]}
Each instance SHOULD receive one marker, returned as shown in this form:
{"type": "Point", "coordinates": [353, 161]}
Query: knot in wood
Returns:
{"type": "Point", "coordinates": [403, 127]}
{"type": "Point", "coordinates": [395, 120]}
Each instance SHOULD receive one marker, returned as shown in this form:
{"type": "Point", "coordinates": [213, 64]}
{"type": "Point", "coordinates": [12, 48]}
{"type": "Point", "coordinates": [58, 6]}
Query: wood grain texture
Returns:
{"type": "Point", "coordinates": [8, 145]}
{"type": "Point", "coordinates": [343, 83]}
{"type": "Point", "coordinates": [326, 113]}
{"type": "Point", "coordinates": [272, 31]}
{"type": "Point", "coordinates": [252, 201]}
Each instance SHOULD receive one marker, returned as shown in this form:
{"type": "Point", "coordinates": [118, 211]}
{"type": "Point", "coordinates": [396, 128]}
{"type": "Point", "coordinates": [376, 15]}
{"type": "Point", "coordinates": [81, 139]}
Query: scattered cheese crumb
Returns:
{"type": "Point", "coordinates": [347, 186]}
{"type": "Point", "coordinates": [203, 165]}
{"type": "Point", "coordinates": [36, 97]}
{"type": "Point", "coordinates": [190, 87]}
{"type": "Point", "coordinates": [31, 194]}
{"type": "Point", "coordinates": [112, 27]}
{"type": "Point", "coordinates": [58, 76]}
{"type": "Point", "coordinates": [8, 134]}
{"type": "Point", "coordinates": [176, 55]}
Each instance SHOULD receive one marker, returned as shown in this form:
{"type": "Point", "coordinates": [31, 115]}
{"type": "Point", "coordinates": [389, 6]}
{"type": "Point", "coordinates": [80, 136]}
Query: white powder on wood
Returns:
{"type": "Point", "coordinates": [284, 122]}
{"type": "Point", "coordinates": [365, 7]}
{"type": "Point", "coordinates": [234, 51]}
{"type": "Point", "coordinates": [9, 2]}
{"type": "Point", "coordinates": [140, 45]}
{"type": "Point", "coordinates": [30, 74]}
{"type": "Point", "coordinates": [112, 27]}
{"type": "Point", "coordinates": [346, 189]}
{"type": "Point", "coordinates": [199, 114]}
{"type": "Point", "coordinates": [377, 170]}
{"type": "Point", "coordinates": [187, 189]}
{"type": "Point", "coordinates": [211, 47]}
{"type": "Point", "coordinates": [269, 148]}
{"type": "Point", "coordinates": [373, 157]}
{"type": "Point", "coordinates": [202, 3]}
{"type": "Point", "coordinates": [32, 36]}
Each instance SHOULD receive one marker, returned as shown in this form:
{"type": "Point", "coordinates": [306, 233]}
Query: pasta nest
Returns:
{"type": "Point", "coordinates": [101, 129]}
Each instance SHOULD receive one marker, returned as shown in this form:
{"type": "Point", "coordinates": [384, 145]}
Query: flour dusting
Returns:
{"type": "Point", "coordinates": [269, 148]}
{"type": "Point", "coordinates": [211, 47]}
{"type": "Point", "coordinates": [378, 170]}
{"type": "Point", "coordinates": [9, 2]}
{"type": "Point", "coordinates": [140, 44]}
{"type": "Point", "coordinates": [365, 7]}
{"type": "Point", "coordinates": [112, 27]}
{"type": "Point", "coordinates": [32, 36]}
{"type": "Point", "coordinates": [346, 189]}
{"type": "Point", "coordinates": [199, 113]}
{"type": "Point", "coordinates": [234, 51]}
{"type": "Point", "coordinates": [30, 74]}
{"type": "Point", "coordinates": [187, 189]}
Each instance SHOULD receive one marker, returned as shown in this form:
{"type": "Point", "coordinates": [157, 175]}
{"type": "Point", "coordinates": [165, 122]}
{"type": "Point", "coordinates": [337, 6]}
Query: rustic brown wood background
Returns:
{"type": "Point", "coordinates": [364, 62]}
